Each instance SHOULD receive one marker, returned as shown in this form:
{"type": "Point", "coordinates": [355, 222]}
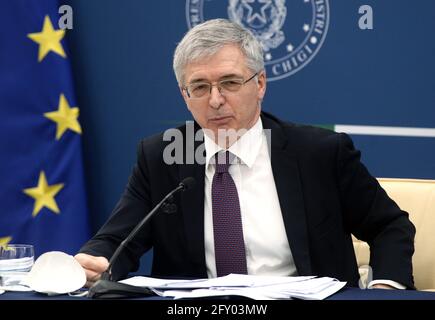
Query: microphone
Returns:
{"type": "Point", "coordinates": [106, 287]}
{"type": "Point", "coordinates": [169, 206]}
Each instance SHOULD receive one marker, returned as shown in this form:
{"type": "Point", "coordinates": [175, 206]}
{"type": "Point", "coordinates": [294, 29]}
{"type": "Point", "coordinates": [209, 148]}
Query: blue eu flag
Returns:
{"type": "Point", "coordinates": [42, 191]}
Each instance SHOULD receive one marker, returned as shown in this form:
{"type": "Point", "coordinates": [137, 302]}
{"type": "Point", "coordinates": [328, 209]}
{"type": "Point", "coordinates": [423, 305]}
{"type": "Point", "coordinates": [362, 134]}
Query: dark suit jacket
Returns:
{"type": "Point", "coordinates": [325, 194]}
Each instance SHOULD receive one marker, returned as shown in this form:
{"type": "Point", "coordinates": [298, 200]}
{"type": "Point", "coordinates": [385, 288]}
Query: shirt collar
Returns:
{"type": "Point", "coordinates": [246, 148]}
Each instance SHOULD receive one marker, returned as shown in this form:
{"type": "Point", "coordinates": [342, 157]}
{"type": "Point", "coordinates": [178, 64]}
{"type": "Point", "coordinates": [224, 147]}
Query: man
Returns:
{"type": "Point", "coordinates": [279, 205]}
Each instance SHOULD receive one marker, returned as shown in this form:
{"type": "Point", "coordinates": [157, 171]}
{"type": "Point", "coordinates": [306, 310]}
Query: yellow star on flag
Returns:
{"type": "Point", "coordinates": [5, 241]}
{"type": "Point", "coordinates": [48, 39]}
{"type": "Point", "coordinates": [65, 117]}
{"type": "Point", "coordinates": [44, 195]}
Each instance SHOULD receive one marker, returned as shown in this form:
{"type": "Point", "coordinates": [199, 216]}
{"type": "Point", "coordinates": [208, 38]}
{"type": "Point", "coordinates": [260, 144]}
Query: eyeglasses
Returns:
{"type": "Point", "coordinates": [203, 89]}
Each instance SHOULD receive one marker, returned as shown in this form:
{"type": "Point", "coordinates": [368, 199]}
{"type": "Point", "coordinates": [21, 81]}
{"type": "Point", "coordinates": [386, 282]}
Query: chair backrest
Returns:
{"type": "Point", "coordinates": [417, 197]}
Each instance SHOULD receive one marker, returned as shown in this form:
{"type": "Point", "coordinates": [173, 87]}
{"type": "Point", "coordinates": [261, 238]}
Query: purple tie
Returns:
{"type": "Point", "coordinates": [227, 222]}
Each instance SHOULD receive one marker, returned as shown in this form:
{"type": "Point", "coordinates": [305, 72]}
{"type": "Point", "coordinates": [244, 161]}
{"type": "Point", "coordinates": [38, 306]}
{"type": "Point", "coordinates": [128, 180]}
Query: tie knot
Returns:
{"type": "Point", "coordinates": [223, 161]}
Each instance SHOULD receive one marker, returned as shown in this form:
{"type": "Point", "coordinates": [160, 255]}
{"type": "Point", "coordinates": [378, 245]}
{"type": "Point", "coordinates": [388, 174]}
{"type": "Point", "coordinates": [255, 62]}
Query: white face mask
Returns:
{"type": "Point", "coordinates": [56, 272]}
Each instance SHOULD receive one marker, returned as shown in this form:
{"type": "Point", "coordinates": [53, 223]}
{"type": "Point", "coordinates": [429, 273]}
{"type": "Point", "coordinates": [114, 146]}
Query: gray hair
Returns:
{"type": "Point", "coordinates": [209, 37]}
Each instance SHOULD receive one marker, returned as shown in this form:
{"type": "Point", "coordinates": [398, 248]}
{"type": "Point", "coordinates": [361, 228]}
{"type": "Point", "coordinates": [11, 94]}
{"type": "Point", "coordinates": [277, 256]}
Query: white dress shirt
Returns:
{"type": "Point", "coordinates": [266, 244]}
{"type": "Point", "coordinates": [267, 248]}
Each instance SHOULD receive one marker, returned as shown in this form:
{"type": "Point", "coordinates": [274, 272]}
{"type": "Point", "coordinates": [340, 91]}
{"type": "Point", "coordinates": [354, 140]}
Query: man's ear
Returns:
{"type": "Point", "coordinates": [185, 97]}
{"type": "Point", "coordinates": [183, 94]}
{"type": "Point", "coordinates": [261, 85]}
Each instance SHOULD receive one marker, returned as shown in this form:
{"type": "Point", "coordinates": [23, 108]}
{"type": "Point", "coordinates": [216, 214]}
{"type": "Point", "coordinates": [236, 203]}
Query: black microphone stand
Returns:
{"type": "Point", "coordinates": [106, 287]}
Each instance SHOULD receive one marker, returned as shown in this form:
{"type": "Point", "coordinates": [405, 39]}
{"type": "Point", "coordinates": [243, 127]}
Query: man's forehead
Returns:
{"type": "Point", "coordinates": [227, 56]}
{"type": "Point", "coordinates": [202, 77]}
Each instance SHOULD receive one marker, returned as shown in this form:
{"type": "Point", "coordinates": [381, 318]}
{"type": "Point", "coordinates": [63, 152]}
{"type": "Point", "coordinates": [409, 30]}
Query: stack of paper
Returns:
{"type": "Point", "coordinates": [254, 287]}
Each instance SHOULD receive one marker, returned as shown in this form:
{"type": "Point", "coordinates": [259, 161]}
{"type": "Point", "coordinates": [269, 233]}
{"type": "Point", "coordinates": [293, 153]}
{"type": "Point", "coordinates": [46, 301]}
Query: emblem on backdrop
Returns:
{"type": "Point", "coordinates": [291, 32]}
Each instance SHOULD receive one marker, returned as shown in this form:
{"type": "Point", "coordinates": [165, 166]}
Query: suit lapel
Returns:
{"type": "Point", "coordinates": [192, 204]}
{"type": "Point", "coordinates": [287, 179]}
{"type": "Point", "coordinates": [288, 185]}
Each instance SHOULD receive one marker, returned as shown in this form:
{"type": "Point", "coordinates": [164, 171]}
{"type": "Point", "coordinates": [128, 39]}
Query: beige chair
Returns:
{"type": "Point", "coordinates": [417, 197]}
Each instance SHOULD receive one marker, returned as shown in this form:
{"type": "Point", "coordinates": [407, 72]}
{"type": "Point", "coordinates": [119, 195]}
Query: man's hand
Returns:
{"type": "Point", "coordinates": [93, 266]}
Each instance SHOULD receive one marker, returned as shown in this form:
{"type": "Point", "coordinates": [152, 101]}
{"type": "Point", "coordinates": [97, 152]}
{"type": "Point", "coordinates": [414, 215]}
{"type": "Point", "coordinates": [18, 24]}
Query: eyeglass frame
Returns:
{"type": "Point", "coordinates": [217, 84]}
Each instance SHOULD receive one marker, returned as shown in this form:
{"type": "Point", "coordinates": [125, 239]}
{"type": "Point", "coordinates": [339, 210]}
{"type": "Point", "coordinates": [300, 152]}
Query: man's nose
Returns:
{"type": "Point", "coordinates": [216, 97]}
